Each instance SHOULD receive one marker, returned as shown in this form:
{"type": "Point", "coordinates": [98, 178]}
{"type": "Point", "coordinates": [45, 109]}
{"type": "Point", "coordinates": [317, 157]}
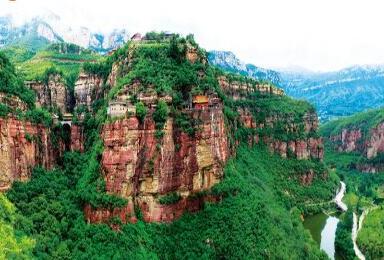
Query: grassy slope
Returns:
{"type": "Point", "coordinates": [32, 64]}
{"type": "Point", "coordinates": [364, 120]}
{"type": "Point", "coordinates": [370, 238]}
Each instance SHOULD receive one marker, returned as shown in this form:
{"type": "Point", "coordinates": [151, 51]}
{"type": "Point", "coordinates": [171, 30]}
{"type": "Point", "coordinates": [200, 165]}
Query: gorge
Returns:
{"type": "Point", "coordinates": [153, 133]}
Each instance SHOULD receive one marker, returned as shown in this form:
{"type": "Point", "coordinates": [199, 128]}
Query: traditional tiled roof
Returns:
{"type": "Point", "coordinates": [200, 99]}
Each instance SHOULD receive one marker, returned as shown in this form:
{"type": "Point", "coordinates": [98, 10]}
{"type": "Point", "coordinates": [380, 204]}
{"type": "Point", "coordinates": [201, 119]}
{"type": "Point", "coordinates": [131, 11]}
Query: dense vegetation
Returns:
{"type": "Point", "coordinates": [364, 121]}
{"type": "Point", "coordinates": [11, 84]}
{"type": "Point", "coordinates": [13, 243]}
{"type": "Point", "coordinates": [255, 207]}
{"type": "Point", "coordinates": [262, 196]}
{"type": "Point", "coordinates": [363, 191]}
{"type": "Point", "coordinates": [343, 241]}
{"type": "Point", "coordinates": [370, 238]}
{"type": "Point", "coordinates": [67, 58]}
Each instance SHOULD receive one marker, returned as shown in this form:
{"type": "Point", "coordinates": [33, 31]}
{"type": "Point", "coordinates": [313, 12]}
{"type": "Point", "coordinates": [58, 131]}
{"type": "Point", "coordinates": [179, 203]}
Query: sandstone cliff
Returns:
{"type": "Point", "coordinates": [23, 146]}
{"type": "Point", "coordinates": [163, 171]}
{"type": "Point", "coordinates": [361, 134]}
{"type": "Point", "coordinates": [353, 140]}
{"type": "Point", "coordinates": [51, 94]}
{"type": "Point", "coordinates": [139, 167]}
{"type": "Point", "coordinates": [179, 168]}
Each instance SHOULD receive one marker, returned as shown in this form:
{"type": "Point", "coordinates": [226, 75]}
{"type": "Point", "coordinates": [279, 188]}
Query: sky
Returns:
{"type": "Point", "coordinates": [316, 35]}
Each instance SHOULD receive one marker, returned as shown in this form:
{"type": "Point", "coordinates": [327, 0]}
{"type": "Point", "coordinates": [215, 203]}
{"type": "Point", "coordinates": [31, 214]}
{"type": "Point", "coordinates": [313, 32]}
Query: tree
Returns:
{"type": "Point", "coordinates": [141, 111]}
{"type": "Point", "coordinates": [161, 114]}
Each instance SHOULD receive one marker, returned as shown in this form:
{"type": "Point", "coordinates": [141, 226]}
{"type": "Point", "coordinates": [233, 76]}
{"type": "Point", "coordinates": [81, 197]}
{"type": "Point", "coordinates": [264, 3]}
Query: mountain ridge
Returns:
{"type": "Point", "coordinates": [334, 94]}
{"type": "Point", "coordinates": [51, 29]}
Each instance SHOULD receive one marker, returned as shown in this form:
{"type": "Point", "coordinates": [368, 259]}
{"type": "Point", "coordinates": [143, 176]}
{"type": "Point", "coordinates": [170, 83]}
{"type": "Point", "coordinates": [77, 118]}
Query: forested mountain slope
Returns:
{"type": "Point", "coordinates": [156, 134]}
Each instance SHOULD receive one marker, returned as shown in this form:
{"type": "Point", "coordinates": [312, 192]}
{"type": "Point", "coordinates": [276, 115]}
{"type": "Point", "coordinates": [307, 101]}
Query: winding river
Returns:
{"type": "Point", "coordinates": [323, 227]}
{"type": "Point", "coordinates": [323, 230]}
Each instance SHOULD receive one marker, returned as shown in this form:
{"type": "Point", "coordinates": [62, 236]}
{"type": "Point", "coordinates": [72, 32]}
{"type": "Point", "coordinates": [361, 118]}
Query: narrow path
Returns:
{"type": "Point", "coordinates": [357, 223]}
{"type": "Point", "coordinates": [339, 197]}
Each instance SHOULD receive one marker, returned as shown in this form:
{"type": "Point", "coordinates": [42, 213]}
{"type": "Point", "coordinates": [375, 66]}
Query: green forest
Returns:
{"type": "Point", "coordinates": [254, 207]}
{"type": "Point", "coordinates": [262, 197]}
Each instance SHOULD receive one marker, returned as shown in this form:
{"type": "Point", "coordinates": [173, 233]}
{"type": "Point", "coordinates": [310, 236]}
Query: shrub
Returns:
{"type": "Point", "coordinates": [4, 110]}
{"type": "Point", "coordinates": [161, 114]}
{"type": "Point", "coordinates": [39, 116]}
{"type": "Point", "coordinates": [49, 72]}
{"type": "Point", "coordinates": [170, 198]}
{"type": "Point", "coordinates": [141, 111]}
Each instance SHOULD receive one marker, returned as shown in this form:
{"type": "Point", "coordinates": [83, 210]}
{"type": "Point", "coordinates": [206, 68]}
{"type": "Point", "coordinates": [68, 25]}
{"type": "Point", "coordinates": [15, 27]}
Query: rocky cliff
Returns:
{"type": "Point", "coordinates": [350, 140]}
{"type": "Point", "coordinates": [361, 134]}
{"type": "Point", "coordinates": [23, 146]}
{"type": "Point", "coordinates": [51, 94]}
{"type": "Point", "coordinates": [168, 123]}
{"type": "Point", "coordinates": [88, 88]}
{"type": "Point", "coordinates": [165, 175]}
{"type": "Point", "coordinates": [141, 168]}
{"type": "Point", "coordinates": [303, 145]}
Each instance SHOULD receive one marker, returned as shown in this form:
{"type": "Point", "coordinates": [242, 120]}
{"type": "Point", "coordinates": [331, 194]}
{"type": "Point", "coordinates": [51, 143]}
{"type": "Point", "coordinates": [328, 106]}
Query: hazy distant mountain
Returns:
{"type": "Point", "coordinates": [334, 94]}
{"type": "Point", "coordinates": [339, 93]}
{"type": "Point", "coordinates": [51, 29]}
{"type": "Point", "coordinates": [228, 61]}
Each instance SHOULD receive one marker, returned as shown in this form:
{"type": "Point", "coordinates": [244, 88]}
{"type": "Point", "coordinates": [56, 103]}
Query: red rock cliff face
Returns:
{"type": "Point", "coordinates": [353, 140]}
{"type": "Point", "coordinates": [23, 146]}
{"type": "Point", "coordinates": [301, 148]}
{"type": "Point", "coordinates": [143, 169]}
{"type": "Point", "coordinates": [348, 140]}
{"type": "Point", "coordinates": [77, 138]}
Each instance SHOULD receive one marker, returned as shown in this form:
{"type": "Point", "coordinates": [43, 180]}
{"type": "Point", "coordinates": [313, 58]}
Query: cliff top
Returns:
{"type": "Point", "coordinates": [363, 121]}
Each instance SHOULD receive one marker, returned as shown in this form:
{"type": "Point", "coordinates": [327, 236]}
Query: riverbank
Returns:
{"type": "Point", "coordinates": [323, 226]}
{"type": "Point", "coordinates": [339, 197]}
{"type": "Point", "coordinates": [357, 224]}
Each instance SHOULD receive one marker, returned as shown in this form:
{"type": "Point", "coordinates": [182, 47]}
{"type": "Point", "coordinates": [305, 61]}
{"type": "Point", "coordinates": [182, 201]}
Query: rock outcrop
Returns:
{"type": "Point", "coordinates": [23, 146]}
{"type": "Point", "coordinates": [13, 102]}
{"type": "Point", "coordinates": [353, 140]}
{"type": "Point", "coordinates": [143, 169]}
{"type": "Point", "coordinates": [51, 94]}
{"type": "Point", "coordinates": [238, 89]}
{"type": "Point", "coordinates": [88, 88]}
{"type": "Point", "coordinates": [77, 138]}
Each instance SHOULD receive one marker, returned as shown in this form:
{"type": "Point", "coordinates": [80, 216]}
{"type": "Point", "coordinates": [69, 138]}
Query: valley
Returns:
{"type": "Point", "coordinates": [335, 94]}
{"type": "Point", "coordinates": [157, 135]}
{"type": "Point", "coordinates": [153, 148]}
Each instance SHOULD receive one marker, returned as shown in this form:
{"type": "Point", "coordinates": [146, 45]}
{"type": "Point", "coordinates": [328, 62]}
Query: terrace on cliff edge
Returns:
{"type": "Point", "coordinates": [156, 134]}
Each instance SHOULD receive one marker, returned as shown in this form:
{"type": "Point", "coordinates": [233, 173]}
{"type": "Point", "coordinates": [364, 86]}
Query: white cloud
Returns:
{"type": "Point", "coordinates": [319, 35]}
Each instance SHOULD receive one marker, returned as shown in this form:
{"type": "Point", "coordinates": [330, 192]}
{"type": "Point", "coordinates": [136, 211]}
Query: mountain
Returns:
{"type": "Point", "coordinates": [334, 94]}
{"type": "Point", "coordinates": [42, 30]}
{"type": "Point", "coordinates": [229, 62]}
{"type": "Point", "coordinates": [155, 132]}
{"type": "Point", "coordinates": [340, 93]}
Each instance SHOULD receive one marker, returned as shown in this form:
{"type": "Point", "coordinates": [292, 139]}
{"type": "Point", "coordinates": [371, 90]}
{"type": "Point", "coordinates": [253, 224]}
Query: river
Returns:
{"type": "Point", "coordinates": [323, 230]}
{"type": "Point", "coordinates": [323, 227]}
